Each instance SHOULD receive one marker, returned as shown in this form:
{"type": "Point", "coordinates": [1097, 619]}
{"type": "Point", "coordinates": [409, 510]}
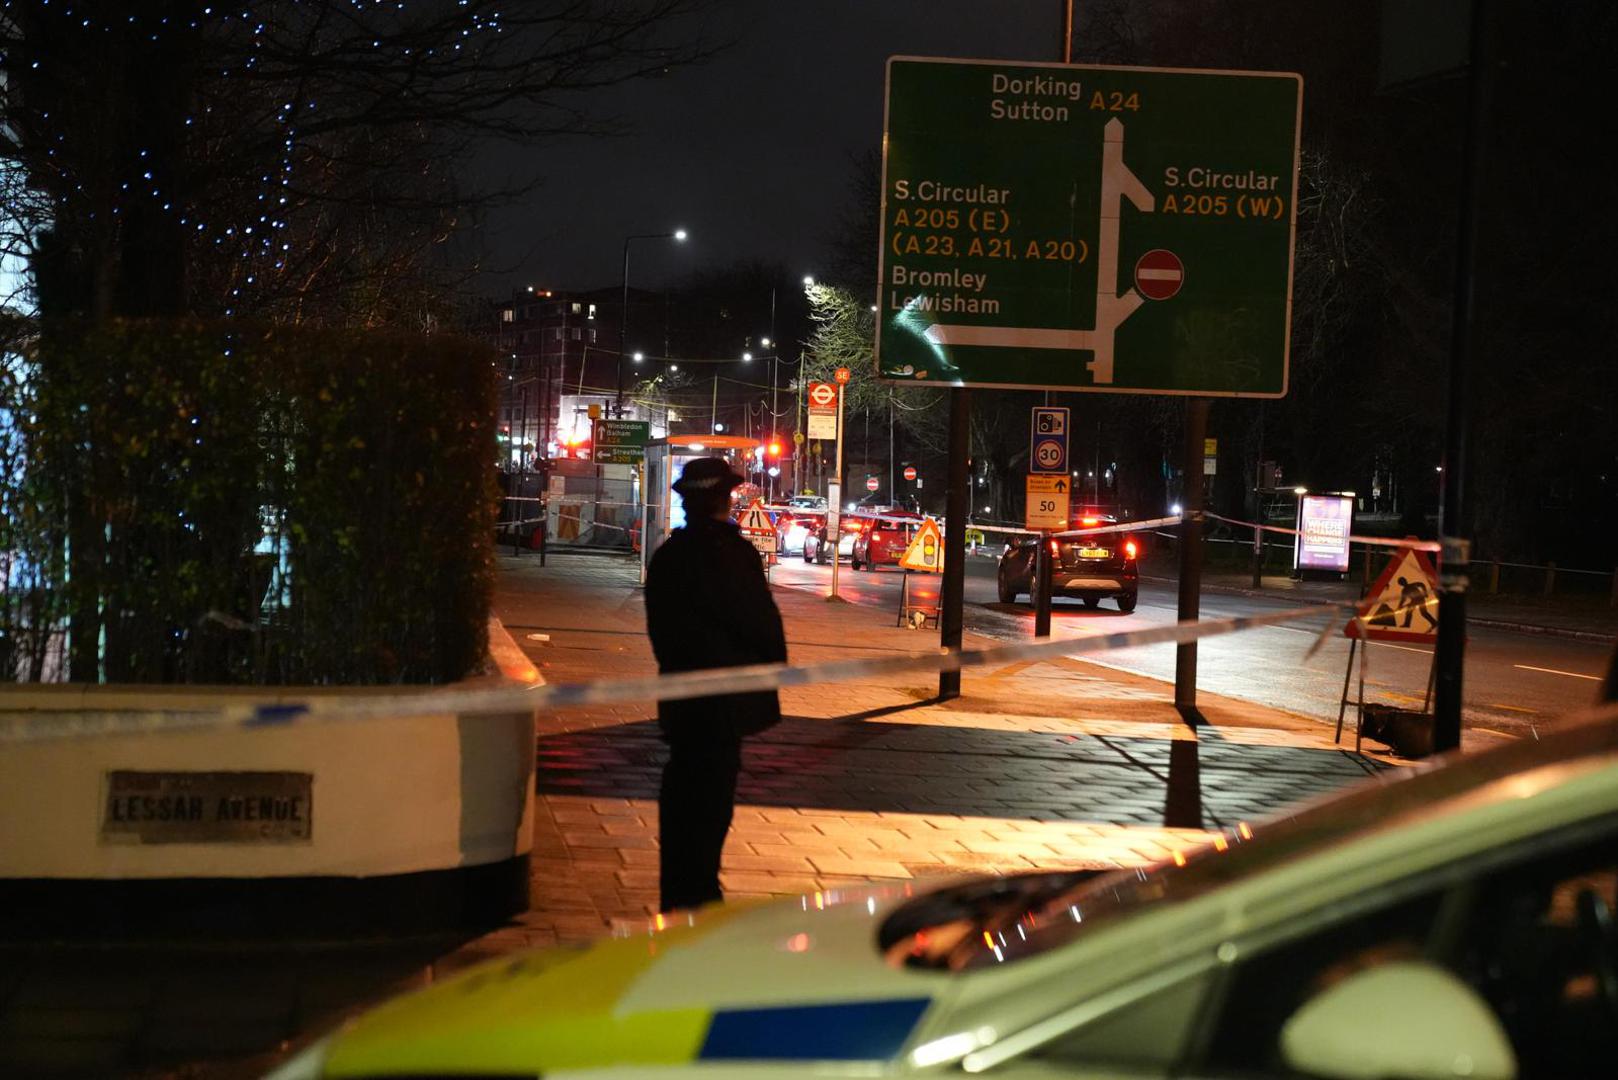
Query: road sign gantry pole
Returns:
{"type": "Point", "coordinates": [953, 587]}
{"type": "Point", "coordinates": [1190, 606]}
{"type": "Point", "coordinates": [833, 514]}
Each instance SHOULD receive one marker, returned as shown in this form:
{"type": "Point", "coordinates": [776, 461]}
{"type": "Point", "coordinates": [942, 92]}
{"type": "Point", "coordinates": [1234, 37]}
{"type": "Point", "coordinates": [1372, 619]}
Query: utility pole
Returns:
{"type": "Point", "coordinates": [1453, 520]}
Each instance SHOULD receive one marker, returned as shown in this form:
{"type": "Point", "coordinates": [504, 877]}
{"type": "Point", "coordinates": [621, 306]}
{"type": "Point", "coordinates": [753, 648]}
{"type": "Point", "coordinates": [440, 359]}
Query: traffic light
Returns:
{"type": "Point", "coordinates": [774, 448]}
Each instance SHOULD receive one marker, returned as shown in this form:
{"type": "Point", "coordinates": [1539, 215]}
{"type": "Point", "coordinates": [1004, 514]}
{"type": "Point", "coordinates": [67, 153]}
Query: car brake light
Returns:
{"type": "Point", "coordinates": [1056, 548]}
{"type": "Point", "coordinates": [1130, 549]}
{"type": "Point", "coordinates": [1089, 521]}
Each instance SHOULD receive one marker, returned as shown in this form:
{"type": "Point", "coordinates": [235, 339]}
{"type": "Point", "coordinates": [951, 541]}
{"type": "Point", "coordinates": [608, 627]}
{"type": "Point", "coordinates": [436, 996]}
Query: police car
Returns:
{"type": "Point", "coordinates": [1454, 921]}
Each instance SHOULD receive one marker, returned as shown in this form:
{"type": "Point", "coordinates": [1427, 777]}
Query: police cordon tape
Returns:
{"type": "Point", "coordinates": [44, 727]}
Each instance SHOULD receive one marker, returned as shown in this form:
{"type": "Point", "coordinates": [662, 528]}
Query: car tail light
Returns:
{"type": "Point", "coordinates": [1056, 549]}
{"type": "Point", "coordinates": [1089, 522]}
{"type": "Point", "coordinates": [1131, 549]}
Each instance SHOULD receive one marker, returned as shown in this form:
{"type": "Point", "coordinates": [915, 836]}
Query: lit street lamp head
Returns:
{"type": "Point", "coordinates": [747, 357]}
{"type": "Point", "coordinates": [680, 234]}
{"type": "Point", "coordinates": [638, 357]}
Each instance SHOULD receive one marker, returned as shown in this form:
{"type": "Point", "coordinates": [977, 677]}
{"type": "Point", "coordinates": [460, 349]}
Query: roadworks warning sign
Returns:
{"type": "Point", "coordinates": [926, 550]}
{"type": "Point", "coordinates": [1402, 605]}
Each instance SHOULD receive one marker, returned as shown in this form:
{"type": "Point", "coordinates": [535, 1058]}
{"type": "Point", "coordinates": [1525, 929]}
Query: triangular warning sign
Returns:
{"type": "Point", "coordinates": [926, 550]}
{"type": "Point", "coordinates": [1402, 604]}
{"type": "Point", "coordinates": [755, 520]}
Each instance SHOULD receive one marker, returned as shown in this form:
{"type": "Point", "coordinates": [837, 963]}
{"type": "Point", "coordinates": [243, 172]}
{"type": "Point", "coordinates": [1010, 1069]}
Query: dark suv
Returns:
{"type": "Point", "coordinates": [1091, 568]}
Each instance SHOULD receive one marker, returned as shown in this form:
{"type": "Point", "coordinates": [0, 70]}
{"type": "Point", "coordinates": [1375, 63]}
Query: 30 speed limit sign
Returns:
{"type": "Point", "coordinates": [1047, 433]}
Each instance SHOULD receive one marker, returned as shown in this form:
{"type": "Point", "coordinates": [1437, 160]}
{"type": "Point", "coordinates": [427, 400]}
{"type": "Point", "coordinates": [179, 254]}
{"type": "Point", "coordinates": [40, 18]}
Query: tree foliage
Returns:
{"type": "Point", "coordinates": [292, 158]}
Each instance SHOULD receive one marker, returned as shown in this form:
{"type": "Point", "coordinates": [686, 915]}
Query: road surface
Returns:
{"type": "Point", "coordinates": [1514, 681]}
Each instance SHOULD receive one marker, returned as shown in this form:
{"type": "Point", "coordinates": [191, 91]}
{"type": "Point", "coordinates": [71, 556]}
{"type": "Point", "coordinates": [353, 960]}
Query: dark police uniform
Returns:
{"type": "Point", "coordinates": [707, 606]}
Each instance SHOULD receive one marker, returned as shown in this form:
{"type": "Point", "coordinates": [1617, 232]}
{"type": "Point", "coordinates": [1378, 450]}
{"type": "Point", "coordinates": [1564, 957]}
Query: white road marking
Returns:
{"type": "Point", "coordinates": [1553, 671]}
{"type": "Point", "coordinates": [1405, 648]}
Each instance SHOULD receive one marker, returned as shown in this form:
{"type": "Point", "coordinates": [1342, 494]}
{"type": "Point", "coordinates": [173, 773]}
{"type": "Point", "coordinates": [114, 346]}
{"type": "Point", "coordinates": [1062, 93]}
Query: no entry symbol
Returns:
{"type": "Point", "coordinates": [1159, 274]}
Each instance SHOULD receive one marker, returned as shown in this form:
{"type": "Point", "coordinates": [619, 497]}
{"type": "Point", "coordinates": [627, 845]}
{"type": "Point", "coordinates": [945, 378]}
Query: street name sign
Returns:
{"type": "Point", "coordinates": [1068, 227]}
{"type": "Point", "coordinates": [822, 410]}
{"type": "Point", "coordinates": [1047, 439]}
{"type": "Point", "coordinates": [1047, 506]}
{"type": "Point", "coordinates": [620, 442]}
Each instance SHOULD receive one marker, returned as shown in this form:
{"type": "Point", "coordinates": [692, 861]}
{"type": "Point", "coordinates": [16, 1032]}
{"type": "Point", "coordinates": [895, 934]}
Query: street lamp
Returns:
{"type": "Point", "coordinates": [623, 313]}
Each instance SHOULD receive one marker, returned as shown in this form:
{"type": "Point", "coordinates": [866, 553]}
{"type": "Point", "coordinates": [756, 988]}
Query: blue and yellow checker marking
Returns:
{"type": "Point", "coordinates": [556, 1010]}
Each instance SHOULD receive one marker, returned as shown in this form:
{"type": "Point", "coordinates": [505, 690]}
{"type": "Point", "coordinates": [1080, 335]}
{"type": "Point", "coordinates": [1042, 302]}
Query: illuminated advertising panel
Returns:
{"type": "Point", "coordinates": [1324, 524]}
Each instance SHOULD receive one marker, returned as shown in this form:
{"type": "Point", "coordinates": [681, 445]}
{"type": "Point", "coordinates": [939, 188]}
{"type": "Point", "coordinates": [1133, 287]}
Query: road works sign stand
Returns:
{"type": "Point", "coordinates": [1402, 605]}
{"type": "Point", "coordinates": [1009, 258]}
{"type": "Point", "coordinates": [758, 531]}
{"type": "Point", "coordinates": [924, 555]}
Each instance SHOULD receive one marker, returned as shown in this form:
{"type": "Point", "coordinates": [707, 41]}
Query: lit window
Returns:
{"type": "Point", "coordinates": [577, 307]}
{"type": "Point", "coordinates": [592, 311]}
{"type": "Point", "coordinates": [508, 315]}
{"type": "Point", "coordinates": [578, 335]}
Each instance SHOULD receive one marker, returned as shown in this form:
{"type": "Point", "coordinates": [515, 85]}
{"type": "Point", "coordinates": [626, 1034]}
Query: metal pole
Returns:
{"type": "Point", "coordinates": [1185, 656]}
{"type": "Point", "coordinates": [953, 587]}
{"type": "Point", "coordinates": [1041, 590]}
{"type": "Point", "coordinates": [1258, 506]}
{"type": "Point", "coordinates": [775, 368]}
{"type": "Point", "coordinates": [1453, 522]}
{"type": "Point", "coordinates": [832, 515]}
{"type": "Point", "coordinates": [623, 330]}
{"type": "Point", "coordinates": [797, 429]}
{"type": "Point", "coordinates": [713, 419]}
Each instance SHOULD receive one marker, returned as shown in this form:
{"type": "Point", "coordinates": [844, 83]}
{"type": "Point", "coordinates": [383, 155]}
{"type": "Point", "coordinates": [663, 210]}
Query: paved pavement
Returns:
{"type": "Point", "coordinates": [1056, 763]}
{"type": "Point", "coordinates": [1059, 763]}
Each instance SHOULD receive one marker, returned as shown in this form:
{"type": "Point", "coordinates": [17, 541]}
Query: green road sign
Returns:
{"type": "Point", "coordinates": [1051, 226]}
{"type": "Point", "coordinates": [620, 442]}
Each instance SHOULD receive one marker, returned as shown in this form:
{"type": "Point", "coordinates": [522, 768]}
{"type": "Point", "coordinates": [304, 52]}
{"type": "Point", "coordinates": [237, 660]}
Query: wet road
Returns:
{"type": "Point", "coordinates": [1513, 682]}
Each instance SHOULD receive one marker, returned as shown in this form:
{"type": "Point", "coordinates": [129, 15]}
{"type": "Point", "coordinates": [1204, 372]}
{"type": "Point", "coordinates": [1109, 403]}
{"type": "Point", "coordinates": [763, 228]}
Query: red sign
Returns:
{"type": "Point", "coordinates": [823, 394]}
{"type": "Point", "coordinates": [842, 376]}
{"type": "Point", "coordinates": [871, 483]}
{"type": "Point", "coordinates": [1159, 274]}
{"type": "Point", "coordinates": [910, 472]}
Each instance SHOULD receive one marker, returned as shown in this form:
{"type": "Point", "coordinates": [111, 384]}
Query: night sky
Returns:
{"type": "Point", "coordinates": [750, 152]}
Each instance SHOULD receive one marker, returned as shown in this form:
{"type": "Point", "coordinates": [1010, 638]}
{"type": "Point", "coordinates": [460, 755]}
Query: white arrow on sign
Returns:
{"type": "Point", "coordinates": [1117, 184]}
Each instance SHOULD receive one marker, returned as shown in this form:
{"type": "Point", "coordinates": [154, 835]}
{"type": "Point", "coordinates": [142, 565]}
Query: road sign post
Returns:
{"type": "Point", "coordinates": [837, 536]}
{"type": "Point", "coordinates": [1190, 606]}
{"type": "Point", "coordinates": [956, 508]}
{"type": "Point", "coordinates": [1005, 237]}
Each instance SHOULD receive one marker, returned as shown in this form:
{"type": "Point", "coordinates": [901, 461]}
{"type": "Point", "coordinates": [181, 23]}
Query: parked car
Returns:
{"type": "Point", "coordinates": [792, 526]}
{"type": "Point", "coordinates": [816, 549]}
{"type": "Point", "coordinates": [883, 540]}
{"type": "Point", "coordinates": [1454, 921]}
{"type": "Point", "coordinates": [1092, 568]}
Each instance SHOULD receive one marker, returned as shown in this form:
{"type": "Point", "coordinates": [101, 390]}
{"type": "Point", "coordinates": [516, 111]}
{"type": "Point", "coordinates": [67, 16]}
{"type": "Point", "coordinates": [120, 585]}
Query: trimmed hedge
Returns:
{"type": "Point", "coordinates": [225, 504]}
